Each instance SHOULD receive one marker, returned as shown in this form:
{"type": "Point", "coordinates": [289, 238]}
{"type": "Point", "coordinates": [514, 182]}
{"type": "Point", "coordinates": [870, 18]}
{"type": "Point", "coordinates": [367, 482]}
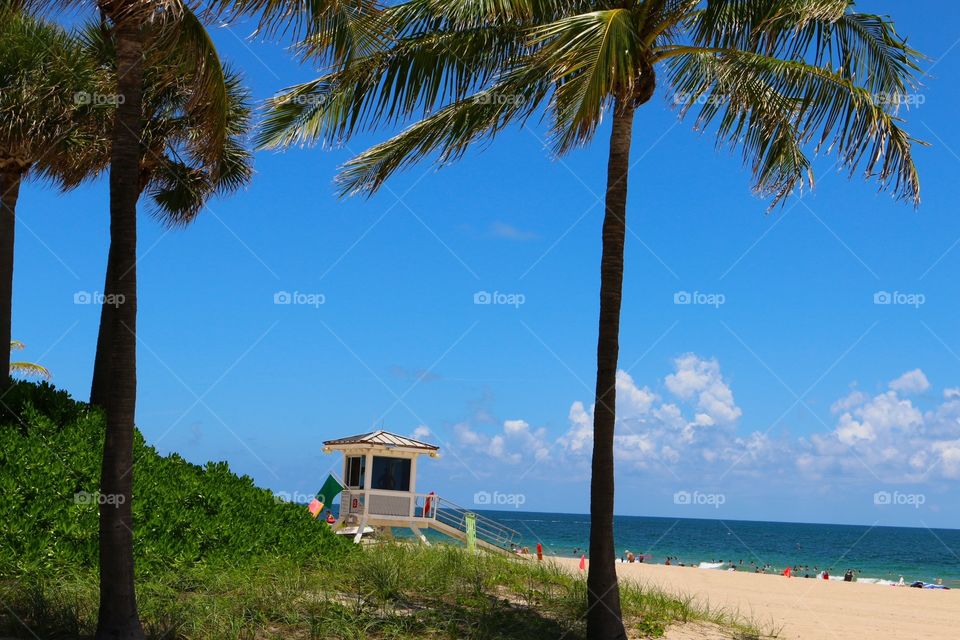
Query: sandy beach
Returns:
{"type": "Point", "coordinates": [808, 609]}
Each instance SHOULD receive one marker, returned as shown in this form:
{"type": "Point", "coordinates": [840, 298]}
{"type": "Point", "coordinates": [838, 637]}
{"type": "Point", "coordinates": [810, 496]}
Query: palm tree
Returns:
{"type": "Point", "coordinates": [770, 77]}
{"type": "Point", "coordinates": [44, 127]}
{"type": "Point", "coordinates": [184, 161]}
{"type": "Point", "coordinates": [27, 368]}
{"type": "Point", "coordinates": [164, 28]}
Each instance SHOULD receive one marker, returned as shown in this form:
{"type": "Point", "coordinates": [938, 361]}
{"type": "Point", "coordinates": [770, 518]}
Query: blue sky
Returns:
{"type": "Point", "coordinates": [779, 399]}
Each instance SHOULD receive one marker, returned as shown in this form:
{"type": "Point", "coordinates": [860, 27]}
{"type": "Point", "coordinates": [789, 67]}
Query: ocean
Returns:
{"type": "Point", "coordinates": [874, 552]}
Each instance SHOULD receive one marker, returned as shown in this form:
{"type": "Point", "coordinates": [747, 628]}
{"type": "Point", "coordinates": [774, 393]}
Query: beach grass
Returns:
{"type": "Point", "coordinates": [389, 591]}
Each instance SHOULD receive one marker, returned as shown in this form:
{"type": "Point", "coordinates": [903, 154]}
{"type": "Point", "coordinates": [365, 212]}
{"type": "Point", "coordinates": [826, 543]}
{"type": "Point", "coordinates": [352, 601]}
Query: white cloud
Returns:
{"type": "Point", "coordinates": [849, 401]}
{"type": "Point", "coordinates": [421, 433]}
{"type": "Point", "coordinates": [911, 382]}
{"type": "Point", "coordinates": [651, 432]}
{"type": "Point", "coordinates": [631, 399]}
{"type": "Point", "coordinates": [698, 378]}
{"type": "Point", "coordinates": [690, 427]}
{"type": "Point", "coordinates": [888, 436]}
{"type": "Point", "coordinates": [850, 431]}
{"type": "Point", "coordinates": [513, 444]}
{"type": "Point", "coordinates": [510, 232]}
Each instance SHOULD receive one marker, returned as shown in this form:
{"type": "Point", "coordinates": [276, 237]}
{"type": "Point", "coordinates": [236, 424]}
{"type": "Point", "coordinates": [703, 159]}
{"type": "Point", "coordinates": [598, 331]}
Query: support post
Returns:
{"type": "Point", "coordinates": [361, 527]}
{"type": "Point", "coordinates": [422, 538]}
{"type": "Point", "coordinates": [471, 520]}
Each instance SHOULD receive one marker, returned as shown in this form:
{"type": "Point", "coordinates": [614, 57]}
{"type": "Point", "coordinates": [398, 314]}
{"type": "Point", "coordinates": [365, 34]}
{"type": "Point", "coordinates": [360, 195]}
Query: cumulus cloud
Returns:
{"type": "Point", "coordinates": [889, 436]}
{"type": "Point", "coordinates": [515, 442]}
{"type": "Point", "coordinates": [689, 424]}
{"type": "Point", "coordinates": [849, 401]}
{"type": "Point", "coordinates": [700, 379]}
{"type": "Point", "coordinates": [911, 382]}
{"type": "Point", "coordinates": [421, 433]}
{"type": "Point", "coordinates": [694, 425]}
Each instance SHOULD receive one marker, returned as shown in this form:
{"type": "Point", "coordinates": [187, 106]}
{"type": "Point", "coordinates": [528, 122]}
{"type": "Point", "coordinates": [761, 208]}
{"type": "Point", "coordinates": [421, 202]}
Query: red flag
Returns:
{"type": "Point", "coordinates": [315, 507]}
{"type": "Point", "coordinates": [787, 572]}
{"type": "Point", "coordinates": [583, 563]}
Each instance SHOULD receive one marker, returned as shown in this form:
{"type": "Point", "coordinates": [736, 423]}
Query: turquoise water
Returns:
{"type": "Point", "coordinates": [877, 552]}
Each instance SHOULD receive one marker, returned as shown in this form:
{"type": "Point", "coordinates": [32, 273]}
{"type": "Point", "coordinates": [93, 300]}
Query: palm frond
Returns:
{"type": "Point", "coordinates": [182, 43]}
{"type": "Point", "coordinates": [337, 29]}
{"type": "Point", "coordinates": [446, 135]}
{"type": "Point", "coordinates": [193, 143]}
{"type": "Point", "coordinates": [591, 58]}
{"type": "Point", "coordinates": [862, 47]}
{"type": "Point", "coordinates": [821, 105]}
{"type": "Point", "coordinates": [750, 114]}
{"type": "Point", "coordinates": [48, 119]}
{"type": "Point", "coordinates": [30, 369]}
{"type": "Point", "coordinates": [413, 77]}
{"type": "Point", "coordinates": [26, 368]}
{"type": "Point", "coordinates": [178, 192]}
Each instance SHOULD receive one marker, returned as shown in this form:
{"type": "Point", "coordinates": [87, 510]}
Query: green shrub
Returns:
{"type": "Point", "coordinates": [184, 514]}
{"type": "Point", "coordinates": [49, 401]}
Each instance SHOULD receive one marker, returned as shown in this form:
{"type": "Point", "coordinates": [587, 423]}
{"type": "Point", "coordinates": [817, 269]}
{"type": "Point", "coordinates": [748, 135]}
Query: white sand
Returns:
{"type": "Point", "coordinates": [806, 608]}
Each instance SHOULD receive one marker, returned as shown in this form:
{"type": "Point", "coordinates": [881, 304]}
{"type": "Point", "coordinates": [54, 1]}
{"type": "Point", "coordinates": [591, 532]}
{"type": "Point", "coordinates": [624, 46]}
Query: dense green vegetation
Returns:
{"type": "Point", "coordinates": [184, 514]}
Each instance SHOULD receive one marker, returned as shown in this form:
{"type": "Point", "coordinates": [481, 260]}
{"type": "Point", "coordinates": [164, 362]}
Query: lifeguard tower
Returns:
{"type": "Point", "coordinates": [380, 492]}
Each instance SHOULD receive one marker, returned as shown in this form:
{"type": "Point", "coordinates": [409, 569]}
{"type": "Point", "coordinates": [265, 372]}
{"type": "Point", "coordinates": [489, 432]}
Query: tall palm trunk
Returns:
{"type": "Point", "coordinates": [603, 593]}
{"type": "Point", "coordinates": [118, 618]}
{"type": "Point", "coordinates": [100, 387]}
{"type": "Point", "coordinates": [9, 192]}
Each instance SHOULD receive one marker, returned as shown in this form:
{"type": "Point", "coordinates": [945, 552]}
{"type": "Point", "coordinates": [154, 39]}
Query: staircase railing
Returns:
{"type": "Point", "coordinates": [488, 530]}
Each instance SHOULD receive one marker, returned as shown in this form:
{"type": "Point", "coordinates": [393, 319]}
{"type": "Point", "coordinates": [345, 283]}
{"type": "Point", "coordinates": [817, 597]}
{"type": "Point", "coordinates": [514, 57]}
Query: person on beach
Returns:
{"type": "Point", "coordinates": [539, 552]}
{"type": "Point", "coordinates": [630, 556]}
{"type": "Point", "coordinates": [826, 574]}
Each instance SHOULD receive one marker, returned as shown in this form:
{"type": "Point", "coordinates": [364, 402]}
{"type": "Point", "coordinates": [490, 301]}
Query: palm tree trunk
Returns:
{"type": "Point", "coordinates": [9, 192]}
{"type": "Point", "coordinates": [603, 593]}
{"type": "Point", "coordinates": [99, 387]}
{"type": "Point", "coordinates": [118, 618]}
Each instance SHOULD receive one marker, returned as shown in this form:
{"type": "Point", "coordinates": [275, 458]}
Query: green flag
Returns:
{"type": "Point", "coordinates": [330, 490]}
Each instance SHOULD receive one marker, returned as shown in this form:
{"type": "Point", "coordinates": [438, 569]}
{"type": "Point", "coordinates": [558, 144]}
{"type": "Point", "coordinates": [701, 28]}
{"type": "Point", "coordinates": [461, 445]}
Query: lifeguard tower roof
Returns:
{"type": "Point", "coordinates": [382, 438]}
